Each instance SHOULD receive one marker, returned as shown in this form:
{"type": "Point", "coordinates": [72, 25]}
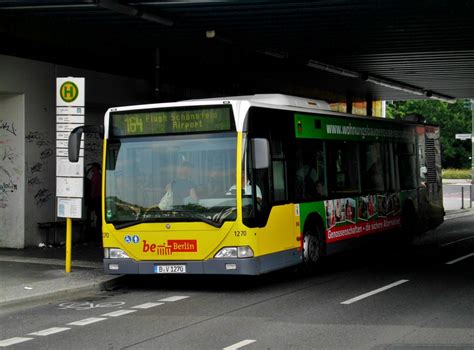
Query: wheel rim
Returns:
{"type": "Point", "coordinates": [311, 246]}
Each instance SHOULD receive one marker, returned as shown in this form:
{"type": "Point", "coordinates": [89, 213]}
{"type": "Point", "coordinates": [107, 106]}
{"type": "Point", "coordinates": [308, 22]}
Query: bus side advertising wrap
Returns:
{"type": "Point", "coordinates": [325, 127]}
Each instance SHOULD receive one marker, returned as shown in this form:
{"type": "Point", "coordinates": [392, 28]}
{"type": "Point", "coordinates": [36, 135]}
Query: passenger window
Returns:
{"type": "Point", "coordinates": [343, 169]}
{"type": "Point", "coordinates": [407, 166]}
{"type": "Point", "coordinates": [279, 188]}
{"type": "Point", "coordinates": [392, 183]}
{"type": "Point", "coordinates": [310, 171]}
{"type": "Point", "coordinates": [372, 167]}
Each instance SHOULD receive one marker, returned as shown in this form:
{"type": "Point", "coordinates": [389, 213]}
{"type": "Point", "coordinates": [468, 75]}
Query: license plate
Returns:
{"type": "Point", "coordinates": [170, 268]}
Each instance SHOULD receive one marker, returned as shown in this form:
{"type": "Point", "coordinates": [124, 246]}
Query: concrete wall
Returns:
{"type": "Point", "coordinates": [33, 82]}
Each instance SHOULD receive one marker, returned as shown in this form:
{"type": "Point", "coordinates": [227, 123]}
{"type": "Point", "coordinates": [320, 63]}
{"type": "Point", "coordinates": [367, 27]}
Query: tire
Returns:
{"type": "Point", "coordinates": [313, 249]}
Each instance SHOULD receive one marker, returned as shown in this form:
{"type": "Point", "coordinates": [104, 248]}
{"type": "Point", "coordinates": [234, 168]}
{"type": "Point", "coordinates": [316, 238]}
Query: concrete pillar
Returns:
{"type": "Point", "coordinates": [12, 170]}
{"type": "Point", "coordinates": [369, 107]}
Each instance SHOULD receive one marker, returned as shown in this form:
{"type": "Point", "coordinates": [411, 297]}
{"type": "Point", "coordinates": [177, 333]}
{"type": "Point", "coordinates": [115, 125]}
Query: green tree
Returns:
{"type": "Point", "coordinates": [453, 118]}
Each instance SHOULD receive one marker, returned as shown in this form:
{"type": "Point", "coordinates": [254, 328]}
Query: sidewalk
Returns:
{"type": "Point", "coordinates": [458, 213]}
{"type": "Point", "coordinates": [32, 274]}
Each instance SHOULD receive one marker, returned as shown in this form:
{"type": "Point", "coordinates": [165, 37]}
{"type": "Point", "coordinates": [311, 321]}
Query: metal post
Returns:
{"type": "Point", "coordinates": [68, 244]}
{"type": "Point", "coordinates": [462, 197]}
{"type": "Point", "coordinates": [472, 150]}
{"type": "Point", "coordinates": [470, 195]}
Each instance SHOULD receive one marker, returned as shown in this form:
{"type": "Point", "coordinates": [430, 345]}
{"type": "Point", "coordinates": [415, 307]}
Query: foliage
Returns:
{"type": "Point", "coordinates": [455, 118]}
{"type": "Point", "coordinates": [456, 173]}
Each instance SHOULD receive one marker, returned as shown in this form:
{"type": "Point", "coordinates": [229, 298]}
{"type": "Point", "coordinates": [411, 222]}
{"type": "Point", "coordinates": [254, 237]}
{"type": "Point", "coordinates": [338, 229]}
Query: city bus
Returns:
{"type": "Point", "coordinates": [248, 185]}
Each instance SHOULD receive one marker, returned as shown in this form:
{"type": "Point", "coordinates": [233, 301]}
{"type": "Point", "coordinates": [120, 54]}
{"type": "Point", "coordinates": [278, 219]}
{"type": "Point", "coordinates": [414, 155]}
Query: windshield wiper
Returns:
{"type": "Point", "coordinates": [136, 222]}
{"type": "Point", "coordinates": [187, 214]}
{"type": "Point", "coordinates": [193, 215]}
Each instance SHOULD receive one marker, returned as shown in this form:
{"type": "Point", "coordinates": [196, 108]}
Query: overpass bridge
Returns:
{"type": "Point", "coordinates": [337, 50]}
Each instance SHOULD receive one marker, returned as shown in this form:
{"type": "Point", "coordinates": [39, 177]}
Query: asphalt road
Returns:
{"type": "Point", "coordinates": [377, 297]}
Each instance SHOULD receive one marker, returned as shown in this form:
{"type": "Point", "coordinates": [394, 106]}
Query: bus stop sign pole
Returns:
{"type": "Point", "coordinates": [70, 113]}
{"type": "Point", "coordinates": [68, 244]}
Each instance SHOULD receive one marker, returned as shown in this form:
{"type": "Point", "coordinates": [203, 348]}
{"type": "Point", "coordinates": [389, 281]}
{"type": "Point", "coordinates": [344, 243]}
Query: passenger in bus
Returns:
{"type": "Point", "coordinates": [215, 186]}
{"type": "Point", "coordinates": [374, 175]}
{"type": "Point", "coordinates": [183, 190]}
{"type": "Point", "coordinates": [320, 190]}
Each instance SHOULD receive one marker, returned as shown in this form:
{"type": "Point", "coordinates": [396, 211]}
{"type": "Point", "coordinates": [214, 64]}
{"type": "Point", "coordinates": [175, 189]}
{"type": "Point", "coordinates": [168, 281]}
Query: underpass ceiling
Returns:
{"type": "Point", "coordinates": [259, 46]}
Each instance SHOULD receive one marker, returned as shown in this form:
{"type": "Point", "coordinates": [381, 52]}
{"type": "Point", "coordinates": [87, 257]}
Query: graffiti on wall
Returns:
{"type": "Point", "coordinates": [10, 170]}
{"type": "Point", "coordinates": [36, 172]}
{"type": "Point", "coordinates": [38, 138]}
{"type": "Point", "coordinates": [8, 127]}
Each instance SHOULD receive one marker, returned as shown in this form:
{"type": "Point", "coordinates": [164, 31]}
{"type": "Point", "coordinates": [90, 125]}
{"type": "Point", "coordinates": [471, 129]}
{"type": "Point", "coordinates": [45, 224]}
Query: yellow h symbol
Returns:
{"type": "Point", "coordinates": [69, 91]}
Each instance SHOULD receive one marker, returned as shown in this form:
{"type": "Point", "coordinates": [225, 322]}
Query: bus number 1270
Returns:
{"type": "Point", "coordinates": [240, 233]}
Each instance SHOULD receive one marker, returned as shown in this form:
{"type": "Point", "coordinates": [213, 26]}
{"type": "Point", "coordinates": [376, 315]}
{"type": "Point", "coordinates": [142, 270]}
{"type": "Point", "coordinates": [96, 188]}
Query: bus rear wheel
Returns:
{"type": "Point", "coordinates": [313, 249]}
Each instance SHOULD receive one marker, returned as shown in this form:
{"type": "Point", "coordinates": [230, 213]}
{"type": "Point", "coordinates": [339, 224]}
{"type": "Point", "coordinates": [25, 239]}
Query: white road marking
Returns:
{"type": "Point", "coordinates": [175, 298]}
{"type": "Point", "coordinates": [50, 331]}
{"type": "Point", "coordinates": [459, 240]}
{"type": "Point", "coordinates": [118, 313]}
{"type": "Point", "coordinates": [13, 341]}
{"type": "Point", "coordinates": [239, 344]}
{"type": "Point", "coordinates": [366, 295]}
{"type": "Point", "coordinates": [86, 321]}
{"type": "Point", "coordinates": [146, 306]}
{"type": "Point", "coordinates": [459, 259]}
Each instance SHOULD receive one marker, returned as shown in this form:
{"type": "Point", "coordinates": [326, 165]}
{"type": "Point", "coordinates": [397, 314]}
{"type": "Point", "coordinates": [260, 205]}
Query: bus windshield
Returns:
{"type": "Point", "coordinates": [171, 178]}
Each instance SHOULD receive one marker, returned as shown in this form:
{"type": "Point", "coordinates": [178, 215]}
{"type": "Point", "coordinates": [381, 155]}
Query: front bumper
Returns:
{"type": "Point", "coordinates": [247, 266]}
{"type": "Point", "coordinates": [250, 266]}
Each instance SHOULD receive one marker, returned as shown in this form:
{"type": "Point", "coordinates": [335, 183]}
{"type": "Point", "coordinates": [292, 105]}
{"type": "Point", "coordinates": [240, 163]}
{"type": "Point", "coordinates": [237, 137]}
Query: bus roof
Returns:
{"type": "Point", "coordinates": [275, 99]}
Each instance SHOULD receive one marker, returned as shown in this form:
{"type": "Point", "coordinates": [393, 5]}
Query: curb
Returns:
{"type": "Point", "coordinates": [109, 283]}
{"type": "Point", "coordinates": [53, 262]}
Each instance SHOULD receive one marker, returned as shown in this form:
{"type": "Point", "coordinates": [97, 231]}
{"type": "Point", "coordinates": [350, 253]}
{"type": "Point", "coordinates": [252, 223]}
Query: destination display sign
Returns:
{"type": "Point", "coordinates": [183, 121]}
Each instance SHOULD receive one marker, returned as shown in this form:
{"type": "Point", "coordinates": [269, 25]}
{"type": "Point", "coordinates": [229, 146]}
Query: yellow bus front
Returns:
{"type": "Point", "coordinates": [171, 199]}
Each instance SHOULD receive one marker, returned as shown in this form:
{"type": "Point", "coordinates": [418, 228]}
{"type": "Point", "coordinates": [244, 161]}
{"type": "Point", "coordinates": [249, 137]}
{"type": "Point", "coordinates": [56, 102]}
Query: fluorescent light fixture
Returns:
{"type": "Point", "coordinates": [440, 97]}
{"type": "Point", "coordinates": [333, 69]}
{"type": "Point", "coordinates": [396, 85]}
{"type": "Point", "coordinates": [380, 81]}
{"type": "Point", "coordinates": [274, 53]}
{"type": "Point", "coordinates": [154, 18]}
{"type": "Point", "coordinates": [131, 11]}
{"type": "Point", "coordinates": [48, 7]}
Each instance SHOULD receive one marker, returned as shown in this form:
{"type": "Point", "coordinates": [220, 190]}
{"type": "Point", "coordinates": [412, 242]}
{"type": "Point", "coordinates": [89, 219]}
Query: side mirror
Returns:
{"type": "Point", "coordinates": [260, 153]}
{"type": "Point", "coordinates": [74, 144]}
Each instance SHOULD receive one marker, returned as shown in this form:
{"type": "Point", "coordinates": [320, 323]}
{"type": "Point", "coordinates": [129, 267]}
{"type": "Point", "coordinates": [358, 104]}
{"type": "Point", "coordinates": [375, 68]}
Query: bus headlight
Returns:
{"type": "Point", "coordinates": [235, 252]}
{"type": "Point", "coordinates": [244, 252]}
{"type": "Point", "coordinates": [115, 253]}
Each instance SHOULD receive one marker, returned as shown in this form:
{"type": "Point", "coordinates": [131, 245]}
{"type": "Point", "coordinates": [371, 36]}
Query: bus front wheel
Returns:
{"type": "Point", "coordinates": [313, 249]}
